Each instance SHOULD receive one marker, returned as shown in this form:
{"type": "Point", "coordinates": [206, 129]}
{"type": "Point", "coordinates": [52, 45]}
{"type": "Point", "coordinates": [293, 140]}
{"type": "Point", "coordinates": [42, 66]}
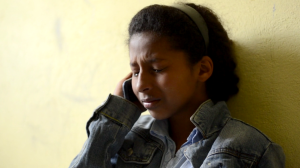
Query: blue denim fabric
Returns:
{"type": "Point", "coordinates": [119, 137]}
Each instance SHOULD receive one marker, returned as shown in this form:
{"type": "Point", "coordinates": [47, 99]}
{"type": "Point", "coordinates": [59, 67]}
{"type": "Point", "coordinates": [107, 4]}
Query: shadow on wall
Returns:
{"type": "Point", "coordinates": [269, 96]}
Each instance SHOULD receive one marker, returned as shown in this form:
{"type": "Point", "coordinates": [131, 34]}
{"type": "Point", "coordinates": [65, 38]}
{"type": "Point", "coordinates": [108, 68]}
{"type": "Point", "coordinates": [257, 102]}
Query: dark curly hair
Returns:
{"type": "Point", "coordinates": [183, 34]}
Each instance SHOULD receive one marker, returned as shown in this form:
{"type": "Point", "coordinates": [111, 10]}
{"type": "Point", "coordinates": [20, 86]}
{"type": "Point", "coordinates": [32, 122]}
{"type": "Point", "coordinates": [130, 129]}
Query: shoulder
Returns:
{"type": "Point", "coordinates": [240, 129]}
{"type": "Point", "coordinates": [237, 133]}
{"type": "Point", "coordinates": [241, 139]}
{"type": "Point", "coordinates": [247, 145]}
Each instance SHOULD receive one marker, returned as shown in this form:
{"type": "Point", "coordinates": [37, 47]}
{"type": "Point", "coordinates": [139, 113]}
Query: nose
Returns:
{"type": "Point", "coordinates": [143, 82]}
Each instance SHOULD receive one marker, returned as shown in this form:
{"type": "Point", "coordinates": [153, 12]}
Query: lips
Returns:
{"type": "Point", "coordinates": [150, 103]}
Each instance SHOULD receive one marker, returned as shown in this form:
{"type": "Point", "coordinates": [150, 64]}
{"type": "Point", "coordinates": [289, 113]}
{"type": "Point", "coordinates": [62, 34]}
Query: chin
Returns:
{"type": "Point", "coordinates": [158, 116]}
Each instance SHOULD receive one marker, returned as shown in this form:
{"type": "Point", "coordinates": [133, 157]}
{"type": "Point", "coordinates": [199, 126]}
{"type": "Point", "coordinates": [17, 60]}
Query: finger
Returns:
{"type": "Point", "coordinates": [119, 90]}
{"type": "Point", "coordinates": [128, 76]}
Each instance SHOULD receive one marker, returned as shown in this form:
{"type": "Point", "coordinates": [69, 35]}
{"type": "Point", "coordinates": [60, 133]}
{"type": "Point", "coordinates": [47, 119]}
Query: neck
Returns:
{"type": "Point", "coordinates": [180, 125]}
{"type": "Point", "coordinates": [180, 128]}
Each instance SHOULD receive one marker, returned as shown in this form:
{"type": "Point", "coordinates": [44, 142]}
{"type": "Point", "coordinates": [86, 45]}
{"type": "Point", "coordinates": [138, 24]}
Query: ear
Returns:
{"type": "Point", "coordinates": [205, 68]}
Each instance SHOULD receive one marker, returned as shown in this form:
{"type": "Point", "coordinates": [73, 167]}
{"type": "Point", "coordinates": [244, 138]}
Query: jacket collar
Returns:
{"type": "Point", "coordinates": [210, 117]}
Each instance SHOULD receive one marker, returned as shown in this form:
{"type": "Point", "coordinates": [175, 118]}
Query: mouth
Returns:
{"type": "Point", "coordinates": [150, 102]}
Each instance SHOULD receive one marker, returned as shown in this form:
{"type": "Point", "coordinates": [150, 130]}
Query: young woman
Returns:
{"type": "Point", "coordinates": [182, 73]}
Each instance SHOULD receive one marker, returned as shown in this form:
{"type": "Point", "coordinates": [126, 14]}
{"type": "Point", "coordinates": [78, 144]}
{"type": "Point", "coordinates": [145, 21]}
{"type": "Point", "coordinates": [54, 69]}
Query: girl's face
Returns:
{"type": "Point", "coordinates": [163, 79]}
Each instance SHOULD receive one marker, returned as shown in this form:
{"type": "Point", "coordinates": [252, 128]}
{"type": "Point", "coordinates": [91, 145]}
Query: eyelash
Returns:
{"type": "Point", "coordinates": [135, 74]}
{"type": "Point", "coordinates": [157, 70]}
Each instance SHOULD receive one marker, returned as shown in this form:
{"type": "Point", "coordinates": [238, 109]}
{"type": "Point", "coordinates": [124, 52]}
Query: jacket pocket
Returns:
{"type": "Point", "coordinates": [138, 154]}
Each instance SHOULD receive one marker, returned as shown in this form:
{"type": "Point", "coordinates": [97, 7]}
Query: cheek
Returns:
{"type": "Point", "coordinates": [172, 81]}
{"type": "Point", "coordinates": [169, 85]}
{"type": "Point", "coordinates": [134, 88]}
{"type": "Point", "coordinates": [179, 84]}
{"type": "Point", "coordinates": [165, 82]}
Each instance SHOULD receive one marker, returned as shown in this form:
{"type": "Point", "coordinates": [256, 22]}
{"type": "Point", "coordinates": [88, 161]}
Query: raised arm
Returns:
{"type": "Point", "coordinates": [106, 130]}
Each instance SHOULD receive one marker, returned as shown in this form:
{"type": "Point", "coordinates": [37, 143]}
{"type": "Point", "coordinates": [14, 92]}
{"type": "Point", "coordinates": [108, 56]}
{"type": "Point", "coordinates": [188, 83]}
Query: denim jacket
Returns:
{"type": "Point", "coordinates": [119, 137]}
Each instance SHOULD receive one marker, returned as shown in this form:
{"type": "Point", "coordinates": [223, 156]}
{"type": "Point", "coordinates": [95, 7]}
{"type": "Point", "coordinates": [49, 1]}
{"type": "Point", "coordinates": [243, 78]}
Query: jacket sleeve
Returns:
{"type": "Point", "coordinates": [106, 131]}
{"type": "Point", "coordinates": [273, 157]}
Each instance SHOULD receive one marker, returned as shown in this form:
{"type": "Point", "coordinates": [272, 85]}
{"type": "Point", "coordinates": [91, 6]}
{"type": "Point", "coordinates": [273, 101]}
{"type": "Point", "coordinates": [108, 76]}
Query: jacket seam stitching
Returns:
{"type": "Point", "coordinates": [254, 128]}
{"type": "Point", "coordinates": [264, 153]}
{"type": "Point", "coordinates": [114, 119]}
{"type": "Point", "coordinates": [252, 158]}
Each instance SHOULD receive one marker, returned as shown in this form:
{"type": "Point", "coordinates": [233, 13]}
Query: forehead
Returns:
{"type": "Point", "coordinates": [148, 45]}
{"type": "Point", "coordinates": [149, 41]}
{"type": "Point", "coordinates": [150, 49]}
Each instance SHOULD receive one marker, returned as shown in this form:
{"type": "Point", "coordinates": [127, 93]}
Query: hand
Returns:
{"type": "Point", "coordinates": [119, 92]}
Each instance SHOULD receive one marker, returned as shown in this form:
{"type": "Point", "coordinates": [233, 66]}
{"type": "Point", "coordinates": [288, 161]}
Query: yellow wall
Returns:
{"type": "Point", "coordinates": [59, 59]}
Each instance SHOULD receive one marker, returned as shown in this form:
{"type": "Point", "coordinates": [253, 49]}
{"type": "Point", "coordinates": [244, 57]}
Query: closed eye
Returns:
{"type": "Point", "coordinates": [157, 70]}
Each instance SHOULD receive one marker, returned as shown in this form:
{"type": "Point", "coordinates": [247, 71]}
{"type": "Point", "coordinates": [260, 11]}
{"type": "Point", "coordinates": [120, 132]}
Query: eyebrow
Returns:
{"type": "Point", "coordinates": [151, 60]}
